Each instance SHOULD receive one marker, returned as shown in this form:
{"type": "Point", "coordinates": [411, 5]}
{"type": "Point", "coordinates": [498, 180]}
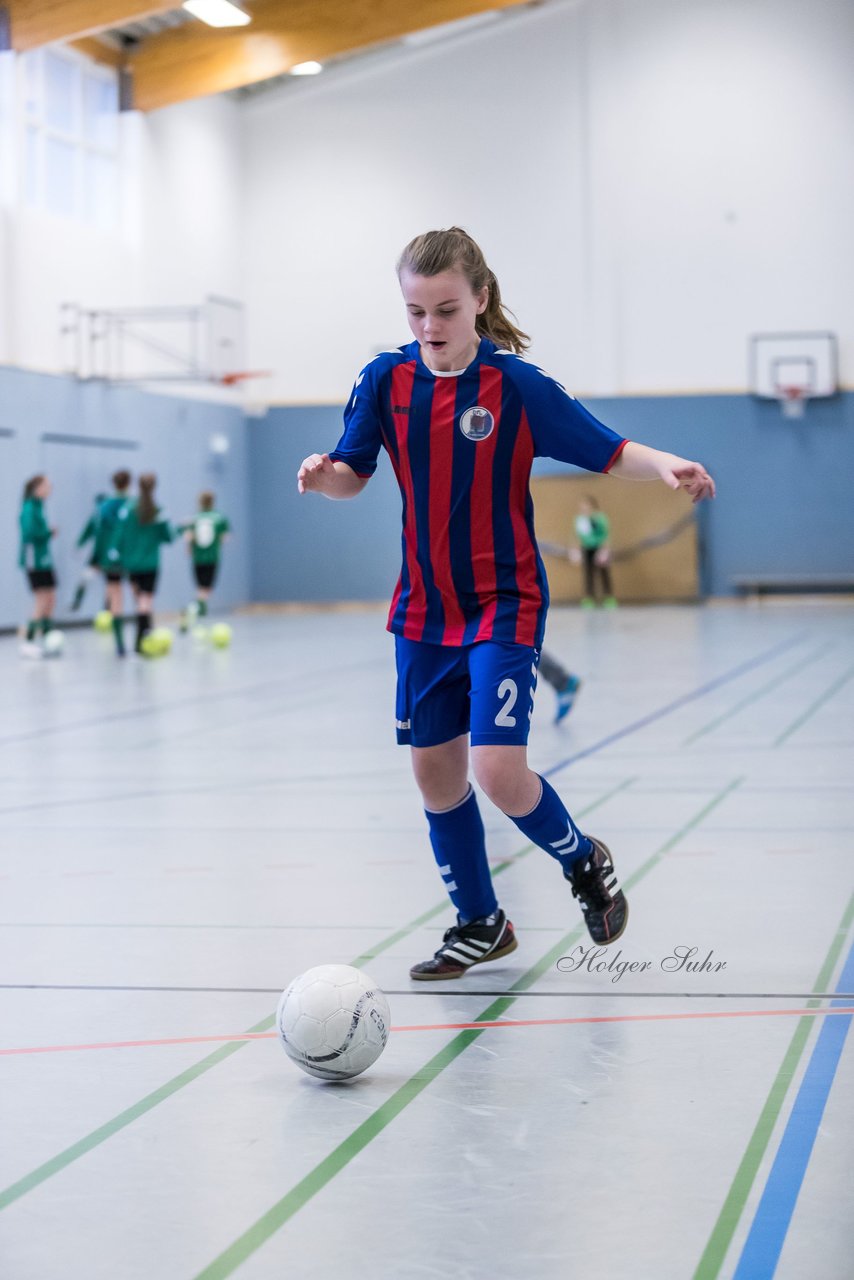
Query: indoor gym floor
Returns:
{"type": "Point", "coordinates": [182, 837]}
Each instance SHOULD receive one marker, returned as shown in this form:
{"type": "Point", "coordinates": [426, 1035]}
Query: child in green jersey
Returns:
{"type": "Point", "coordinates": [205, 534]}
{"type": "Point", "coordinates": [36, 560]}
{"type": "Point", "coordinates": [142, 531]}
{"type": "Point", "coordinates": [592, 530]}
{"type": "Point", "coordinates": [103, 529]}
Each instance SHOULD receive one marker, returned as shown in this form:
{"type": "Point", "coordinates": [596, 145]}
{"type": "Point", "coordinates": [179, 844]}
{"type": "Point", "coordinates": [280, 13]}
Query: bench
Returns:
{"type": "Point", "coordinates": [764, 583]}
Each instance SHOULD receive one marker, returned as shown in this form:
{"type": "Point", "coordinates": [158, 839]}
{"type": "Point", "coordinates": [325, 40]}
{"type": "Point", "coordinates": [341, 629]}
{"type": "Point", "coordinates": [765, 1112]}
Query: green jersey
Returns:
{"type": "Point", "coordinates": [138, 545]}
{"type": "Point", "coordinates": [592, 530]}
{"type": "Point", "coordinates": [103, 528]}
{"type": "Point", "coordinates": [206, 533]}
{"type": "Point", "coordinates": [36, 534]}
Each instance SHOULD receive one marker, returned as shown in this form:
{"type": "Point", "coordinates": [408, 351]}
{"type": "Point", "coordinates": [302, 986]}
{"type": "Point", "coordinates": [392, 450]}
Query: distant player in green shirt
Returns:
{"type": "Point", "coordinates": [102, 530]}
{"type": "Point", "coordinates": [142, 532]}
{"type": "Point", "coordinates": [592, 530]}
{"type": "Point", "coordinates": [205, 534]}
{"type": "Point", "coordinates": [35, 558]}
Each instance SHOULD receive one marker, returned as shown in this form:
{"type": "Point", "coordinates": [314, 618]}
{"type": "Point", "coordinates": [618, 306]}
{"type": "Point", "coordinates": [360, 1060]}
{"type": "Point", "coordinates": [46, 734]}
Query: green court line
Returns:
{"type": "Point", "coordinates": [94, 1139]}
{"type": "Point", "coordinates": [811, 710]}
{"type": "Point", "coordinates": [236, 1254]}
{"type": "Point", "coordinates": [759, 693]}
{"type": "Point", "coordinates": [724, 1229]}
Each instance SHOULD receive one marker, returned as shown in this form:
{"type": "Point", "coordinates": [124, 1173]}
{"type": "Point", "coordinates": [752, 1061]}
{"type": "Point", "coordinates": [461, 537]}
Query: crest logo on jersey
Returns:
{"type": "Point", "coordinates": [477, 423]}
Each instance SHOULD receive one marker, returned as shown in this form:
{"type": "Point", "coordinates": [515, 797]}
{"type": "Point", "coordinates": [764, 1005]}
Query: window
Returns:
{"type": "Point", "coordinates": [70, 145]}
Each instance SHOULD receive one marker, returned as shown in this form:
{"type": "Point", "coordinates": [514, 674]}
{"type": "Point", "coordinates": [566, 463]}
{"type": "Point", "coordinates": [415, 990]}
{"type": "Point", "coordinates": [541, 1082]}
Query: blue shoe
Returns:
{"type": "Point", "coordinates": [566, 697]}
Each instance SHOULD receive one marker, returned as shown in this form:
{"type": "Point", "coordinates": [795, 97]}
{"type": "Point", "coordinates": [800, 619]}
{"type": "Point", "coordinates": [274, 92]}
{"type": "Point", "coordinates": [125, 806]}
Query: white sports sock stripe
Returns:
{"type": "Point", "coordinates": [450, 884]}
{"type": "Point", "coordinates": [568, 843]}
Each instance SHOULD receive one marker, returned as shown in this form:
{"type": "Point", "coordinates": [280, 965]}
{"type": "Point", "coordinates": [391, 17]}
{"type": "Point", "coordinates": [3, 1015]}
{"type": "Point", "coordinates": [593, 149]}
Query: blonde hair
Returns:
{"type": "Point", "coordinates": [436, 251]}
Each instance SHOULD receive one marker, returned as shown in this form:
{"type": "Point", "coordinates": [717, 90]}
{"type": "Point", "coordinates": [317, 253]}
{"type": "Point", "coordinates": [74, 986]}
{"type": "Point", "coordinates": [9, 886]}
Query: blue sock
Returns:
{"type": "Point", "coordinates": [550, 826]}
{"type": "Point", "coordinates": [459, 846]}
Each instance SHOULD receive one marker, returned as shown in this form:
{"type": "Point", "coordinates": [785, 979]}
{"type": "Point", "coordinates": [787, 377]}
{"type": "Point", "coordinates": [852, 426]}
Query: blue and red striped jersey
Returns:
{"type": "Point", "coordinates": [462, 446]}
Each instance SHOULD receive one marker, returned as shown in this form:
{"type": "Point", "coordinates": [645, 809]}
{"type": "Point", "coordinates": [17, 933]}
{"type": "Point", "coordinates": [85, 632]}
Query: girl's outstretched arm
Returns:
{"type": "Point", "coordinates": [319, 474]}
{"type": "Point", "coordinates": [640, 462]}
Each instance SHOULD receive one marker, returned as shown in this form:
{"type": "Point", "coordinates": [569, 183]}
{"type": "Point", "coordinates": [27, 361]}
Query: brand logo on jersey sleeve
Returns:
{"type": "Point", "coordinates": [477, 423]}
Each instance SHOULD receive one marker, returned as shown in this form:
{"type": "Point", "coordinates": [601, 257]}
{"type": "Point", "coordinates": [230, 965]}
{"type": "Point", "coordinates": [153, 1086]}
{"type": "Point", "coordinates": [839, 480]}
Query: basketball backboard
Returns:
{"type": "Point", "coordinates": [793, 368]}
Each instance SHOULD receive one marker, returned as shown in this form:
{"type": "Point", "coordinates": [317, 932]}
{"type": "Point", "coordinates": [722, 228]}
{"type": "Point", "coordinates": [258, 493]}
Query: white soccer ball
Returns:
{"type": "Point", "coordinates": [54, 643]}
{"type": "Point", "coordinates": [333, 1021]}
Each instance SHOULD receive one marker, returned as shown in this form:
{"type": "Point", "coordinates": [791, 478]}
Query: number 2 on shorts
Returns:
{"type": "Point", "coordinates": [507, 689]}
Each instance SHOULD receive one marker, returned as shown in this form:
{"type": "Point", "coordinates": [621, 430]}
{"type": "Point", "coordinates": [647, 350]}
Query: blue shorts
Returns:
{"type": "Point", "coordinates": [444, 691]}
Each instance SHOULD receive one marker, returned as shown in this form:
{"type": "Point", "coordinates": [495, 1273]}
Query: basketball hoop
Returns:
{"type": "Point", "coordinates": [792, 401]}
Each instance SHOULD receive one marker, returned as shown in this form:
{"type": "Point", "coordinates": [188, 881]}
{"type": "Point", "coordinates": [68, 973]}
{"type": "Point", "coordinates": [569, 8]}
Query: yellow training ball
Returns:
{"type": "Point", "coordinates": [103, 620]}
{"type": "Point", "coordinates": [221, 635]}
{"type": "Point", "coordinates": [149, 646]}
{"type": "Point", "coordinates": [162, 638]}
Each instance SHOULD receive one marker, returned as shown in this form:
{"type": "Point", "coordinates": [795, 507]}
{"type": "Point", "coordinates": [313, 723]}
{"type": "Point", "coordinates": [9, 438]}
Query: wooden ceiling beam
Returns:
{"type": "Point", "coordinates": [99, 52]}
{"type": "Point", "coordinates": [193, 60]}
{"type": "Point", "coordinates": [37, 22]}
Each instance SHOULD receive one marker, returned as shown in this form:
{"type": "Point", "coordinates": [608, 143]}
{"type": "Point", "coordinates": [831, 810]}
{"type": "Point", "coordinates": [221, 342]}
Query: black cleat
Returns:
{"type": "Point", "coordinates": [465, 945]}
{"type": "Point", "coordinates": [594, 884]}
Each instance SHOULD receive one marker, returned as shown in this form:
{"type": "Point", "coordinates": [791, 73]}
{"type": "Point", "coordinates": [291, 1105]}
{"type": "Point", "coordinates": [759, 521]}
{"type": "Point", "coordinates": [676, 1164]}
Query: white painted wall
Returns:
{"type": "Point", "coordinates": [180, 236]}
{"type": "Point", "coordinates": [652, 182]}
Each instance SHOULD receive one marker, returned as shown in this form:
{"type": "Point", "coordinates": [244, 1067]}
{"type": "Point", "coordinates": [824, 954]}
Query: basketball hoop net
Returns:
{"type": "Point", "coordinates": [792, 401]}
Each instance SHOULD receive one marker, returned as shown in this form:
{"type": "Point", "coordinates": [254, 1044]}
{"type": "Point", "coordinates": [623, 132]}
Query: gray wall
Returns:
{"type": "Point", "coordinates": [105, 428]}
{"type": "Point", "coordinates": [305, 547]}
{"type": "Point", "coordinates": [784, 500]}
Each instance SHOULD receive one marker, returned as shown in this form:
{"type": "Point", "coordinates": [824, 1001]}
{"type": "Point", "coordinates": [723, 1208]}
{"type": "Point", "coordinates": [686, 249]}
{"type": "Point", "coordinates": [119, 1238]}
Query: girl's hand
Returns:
{"type": "Point", "coordinates": [315, 473]}
{"type": "Point", "coordinates": [679, 473]}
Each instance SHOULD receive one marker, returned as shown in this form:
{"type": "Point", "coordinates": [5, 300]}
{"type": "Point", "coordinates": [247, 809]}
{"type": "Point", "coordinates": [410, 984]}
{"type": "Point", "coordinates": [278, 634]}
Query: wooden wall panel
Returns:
{"type": "Point", "coordinates": [636, 511]}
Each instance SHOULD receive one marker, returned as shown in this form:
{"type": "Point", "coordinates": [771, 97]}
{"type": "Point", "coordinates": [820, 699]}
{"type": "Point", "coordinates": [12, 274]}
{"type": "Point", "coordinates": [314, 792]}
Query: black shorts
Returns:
{"type": "Point", "coordinates": [145, 582]}
{"type": "Point", "coordinates": [112, 575]}
{"type": "Point", "coordinates": [205, 574]}
{"type": "Point", "coordinates": [41, 579]}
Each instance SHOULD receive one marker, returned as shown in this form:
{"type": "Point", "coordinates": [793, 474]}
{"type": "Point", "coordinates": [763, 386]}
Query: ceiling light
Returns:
{"type": "Point", "coordinates": [217, 13]}
{"type": "Point", "coordinates": [307, 69]}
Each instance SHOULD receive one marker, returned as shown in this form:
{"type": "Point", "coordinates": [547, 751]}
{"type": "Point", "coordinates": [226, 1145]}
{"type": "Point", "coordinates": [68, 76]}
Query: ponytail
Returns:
{"type": "Point", "coordinates": [454, 249]}
{"type": "Point", "coordinates": [146, 508]}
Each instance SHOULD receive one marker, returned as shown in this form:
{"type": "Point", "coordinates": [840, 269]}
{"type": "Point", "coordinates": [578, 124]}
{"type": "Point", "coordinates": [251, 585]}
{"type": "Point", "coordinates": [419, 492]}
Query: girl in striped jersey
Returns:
{"type": "Point", "coordinates": [462, 416]}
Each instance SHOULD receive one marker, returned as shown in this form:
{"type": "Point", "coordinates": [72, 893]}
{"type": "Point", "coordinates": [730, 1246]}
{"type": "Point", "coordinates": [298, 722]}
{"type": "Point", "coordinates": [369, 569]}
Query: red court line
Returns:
{"type": "Point", "coordinates": [441, 1026]}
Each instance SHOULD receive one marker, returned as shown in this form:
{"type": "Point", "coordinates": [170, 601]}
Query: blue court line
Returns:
{"type": "Point", "coordinates": [773, 1217]}
{"type": "Point", "coordinates": [674, 706]}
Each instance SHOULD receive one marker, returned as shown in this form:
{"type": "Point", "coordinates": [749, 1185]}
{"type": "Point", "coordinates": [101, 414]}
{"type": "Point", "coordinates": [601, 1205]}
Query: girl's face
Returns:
{"type": "Point", "coordinates": [442, 311]}
{"type": "Point", "coordinates": [43, 489]}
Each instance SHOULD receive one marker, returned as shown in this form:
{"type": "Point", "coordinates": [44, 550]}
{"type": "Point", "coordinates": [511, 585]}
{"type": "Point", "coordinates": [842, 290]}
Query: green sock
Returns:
{"type": "Point", "coordinates": [47, 625]}
{"type": "Point", "coordinates": [32, 628]}
{"type": "Point", "coordinates": [119, 634]}
{"type": "Point", "coordinates": [203, 607]}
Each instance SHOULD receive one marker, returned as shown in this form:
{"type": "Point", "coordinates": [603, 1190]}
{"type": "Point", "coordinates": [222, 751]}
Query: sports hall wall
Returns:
{"type": "Point", "coordinates": [654, 182]}
{"type": "Point", "coordinates": [79, 434]}
{"type": "Point", "coordinates": [176, 236]}
{"type": "Point", "coordinates": [783, 506]}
